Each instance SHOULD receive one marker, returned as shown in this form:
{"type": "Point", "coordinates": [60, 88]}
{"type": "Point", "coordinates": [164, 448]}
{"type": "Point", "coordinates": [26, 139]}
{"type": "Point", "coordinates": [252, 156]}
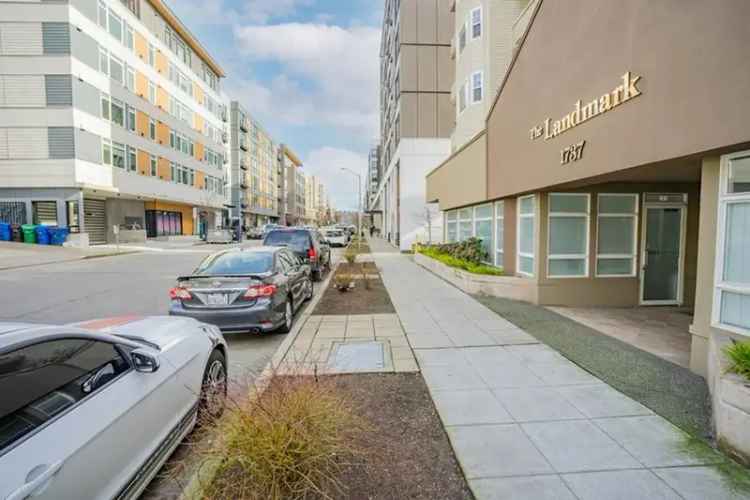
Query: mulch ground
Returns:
{"type": "Point", "coordinates": [370, 297]}
{"type": "Point", "coordinates": [407, 453]}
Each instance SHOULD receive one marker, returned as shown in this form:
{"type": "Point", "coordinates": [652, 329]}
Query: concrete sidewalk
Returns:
{"type": "Point", "coordinates": [525, 422]}
{"type": "Point", "coordinates": [15, 255]}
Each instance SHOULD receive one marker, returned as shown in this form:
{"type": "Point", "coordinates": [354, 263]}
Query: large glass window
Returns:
{"type": "Point", "coordinates": [115, 26]}
{"type": "Point", "coordinates": [116, 70]}
{"type": "Point", "coordinates": [465, 224]}
{"type": "Point", "coordinates": [568, 238]}
{"type": "Point", "coordinates": [483, 228]}
{"type": "Point", "coordinates": [499, 232]}
{"type": "Point", "coordinates": [526, 235]}
{"type": "Point", "coordinates": [617, 226]}
{"type": "Point", "coordinates": [106, 152]}
{"type": "Point", "coordinates": [118, 155]}
{"type": "Point", "coordinates": [131, 159]}
{"type": "Point", "coordinates": [732, 293]}
{"type": "Point", "coordinates": [477, 90]}
{"type": "Point", "coordinates": [118, 112]}
{"type": "Point", "coordinates": [476, 23]}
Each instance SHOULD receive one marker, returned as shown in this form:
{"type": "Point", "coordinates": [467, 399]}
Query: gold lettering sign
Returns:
{"type": "Point", "coordinates": [621, 94]}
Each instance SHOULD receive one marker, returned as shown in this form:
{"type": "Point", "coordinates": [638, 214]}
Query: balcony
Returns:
{"type": "Point", "coordinates": [224, 114]}
{"type": "Point", "coordinates": [243, 164]}
{"type": "Point", "coordinates": [243, 144]}
{"type": "Point", "coordinates": [224, 137]}
{"type": "Point", "coordinates": [244, 126]}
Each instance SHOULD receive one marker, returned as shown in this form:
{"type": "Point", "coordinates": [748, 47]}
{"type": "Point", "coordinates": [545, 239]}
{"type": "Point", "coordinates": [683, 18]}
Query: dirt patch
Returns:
{"type": "Point", "coordinates": [367, 297]}
{"type": "Point", "coordinates": [408, 454]}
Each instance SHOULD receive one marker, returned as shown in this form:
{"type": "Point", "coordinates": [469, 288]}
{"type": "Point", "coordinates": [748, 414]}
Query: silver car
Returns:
{"type": "Point", "coordinates": [93, 410]}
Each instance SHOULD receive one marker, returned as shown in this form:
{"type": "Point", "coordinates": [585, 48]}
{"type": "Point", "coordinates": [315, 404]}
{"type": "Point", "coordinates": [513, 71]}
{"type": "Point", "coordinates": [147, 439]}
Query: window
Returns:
{"type": "Point", "coordinates": [617, 227]}
{"type": "Point", "coordinates": [568, 235]}
{"type": "Point", "coordinates": [152, 129]}
{"type": "Point", "coordinates": [151, 93]}
{"type": "Point", "coordinates": [103, 61]}
{"type": "Point", "coordinates": [451, 226]}
{"type": "Point", "coordinates": [526, 235]}
{"type": "Point", "coordinates": [462, 98]}
{"type": "Point", "coordinates": [131, 159]}
{"type": "Point", "coordinates": [483, 228]}
{"type": "Point", "coordinates": [476, 23]}
{"type": "Point", "coordinates": [129, 38]}
{"type": "Point", "coordinates": [106, 152]}
{"type": "Point", "coordinates": [118, 112]}
{"type": "Point", "coordinates": [732, 292]}
{"type": "Point", "coordinates": [116, 70]}
{"type": "Point", "coordinates": [153, 165]}
{"type": "Point", "coordinates": [499, 232]}
{"type": "Point", "coordinates": [462, 39]}
{"type": "Point", "coordinates": [41, 381]}
{"type": "Point", "coordinates": [105, 107]}
{"type": "Point", "coordinates": [465, 224]}
{"type": "Point", "coordinates": [130, 119]}
{"type": "Point", "coordinates": [151, 55]}
{"type": "Point", "coordinates": [118, 155]}
{"type": "Point", "coordinates": [476, 87]}
{"type": "Point", "coordinates": [115, 26]}
{"type": "Point", "coordinates": [130, 79]}
{"type": "Point", "coordinates": [102, 15]}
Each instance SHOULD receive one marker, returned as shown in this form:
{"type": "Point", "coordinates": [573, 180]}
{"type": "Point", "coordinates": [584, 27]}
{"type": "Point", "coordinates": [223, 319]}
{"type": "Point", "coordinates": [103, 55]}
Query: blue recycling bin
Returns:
{"type": "Point", "coordinates": [42, 235]}
{"type": "Point", "coordinates": [58, 235]}
{"type": "Point", "coordinates": [5, 231]}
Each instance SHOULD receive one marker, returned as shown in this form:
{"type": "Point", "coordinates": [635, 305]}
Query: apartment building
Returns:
{"type": "Point", "coordinates": [312, 195]}
{"type": "Point", "coordinates": [373, 177]}
{"type": "Point", "coordinates": [416, 113]}
{"type": "Point", "coordinates": [624, 181]}
{"type": "Point", "coordinates": [253, 170]}
{"type": "Point", "coordinates": [110, 115]}
{"type": "Point", "coordinates": [290, 196]}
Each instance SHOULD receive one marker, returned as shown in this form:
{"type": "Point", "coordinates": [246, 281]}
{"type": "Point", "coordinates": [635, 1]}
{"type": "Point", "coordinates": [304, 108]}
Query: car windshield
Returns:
{"type": "Point", "coordinates": [236, 263]}
{"type": "Point", "coordinates": [334, 234]}
{"type": "Point", "coordinates": [296, 240]}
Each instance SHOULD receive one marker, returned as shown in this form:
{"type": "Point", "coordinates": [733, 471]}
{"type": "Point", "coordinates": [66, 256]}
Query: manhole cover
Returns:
{"type": "Point", "coordinates": [358, 356]}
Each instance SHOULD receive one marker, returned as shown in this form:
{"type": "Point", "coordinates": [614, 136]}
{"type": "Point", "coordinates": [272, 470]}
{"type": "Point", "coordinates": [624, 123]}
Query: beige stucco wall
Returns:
{"type": "Point", "coordinates": [460, 180]}
{"type": "Point", "coordinates": [580, 51]}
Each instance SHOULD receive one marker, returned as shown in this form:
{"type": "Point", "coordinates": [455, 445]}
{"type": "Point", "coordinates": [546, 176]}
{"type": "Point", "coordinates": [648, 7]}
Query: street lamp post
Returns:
{"type": "Point", "coordinates": [359, 204]}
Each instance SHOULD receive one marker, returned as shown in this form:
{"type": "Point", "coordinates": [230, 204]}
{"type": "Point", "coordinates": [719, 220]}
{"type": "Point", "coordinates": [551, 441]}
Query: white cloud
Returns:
{"type": "Point", "coordinates": [329, 73]}
{"type": "Point", "coordinates": [221, 12]}
{"type": "Point", "coordinates": [326, 163]}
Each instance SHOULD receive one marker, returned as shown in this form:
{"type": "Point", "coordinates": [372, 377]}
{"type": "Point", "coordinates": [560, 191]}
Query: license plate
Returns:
{"type": "Point", "coordinates": [217, 299]}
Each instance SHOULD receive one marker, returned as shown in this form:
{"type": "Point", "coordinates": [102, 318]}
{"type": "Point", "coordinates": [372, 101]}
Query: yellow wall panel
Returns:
{"type": "Point", "coordinates": [200, 180]}
{"type": "Point", "coordinates": [141, 123]}
{"type": "Point", "coordinates": [198, 151]}
{"type": "Point", "coordinates": [198, 93]}
{"type": "Point", "coordinates": [161, 62]}
{"type": "Point", "coordinates": [199, 121]}
{"type": "Point", "coordinates": [143, 162]}
{"type": "Point", "coordinates": [141, 85]}
{"type": "Point", "coordinates": [141, 46]}
{"type": "Point", "coordinates": [162, 133]}
{"type": "Point", "coordinates": [163, 169]}
{"type": "Point", "coordinates": [162, 98]}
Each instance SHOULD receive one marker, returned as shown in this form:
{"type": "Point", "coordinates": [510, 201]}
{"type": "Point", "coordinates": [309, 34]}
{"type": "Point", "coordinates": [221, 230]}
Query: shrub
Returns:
{"type": "Point", "coordinates": [470, 250]}
{"type": "Point", "coordinates": [739, 358]}
{"type": "Point", "coordinates": [449, 260]}
{"type": "Point", "coordinates": [289, 443]}
{"type": "Point", "coordinates": [350, 255]}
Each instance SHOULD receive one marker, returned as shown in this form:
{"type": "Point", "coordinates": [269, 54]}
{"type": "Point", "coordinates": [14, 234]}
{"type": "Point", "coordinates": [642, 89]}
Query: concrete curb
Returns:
{"type": "Point", "coordinates": [73, 259]}
{"type": "Point", "coordinates": [206, 471]}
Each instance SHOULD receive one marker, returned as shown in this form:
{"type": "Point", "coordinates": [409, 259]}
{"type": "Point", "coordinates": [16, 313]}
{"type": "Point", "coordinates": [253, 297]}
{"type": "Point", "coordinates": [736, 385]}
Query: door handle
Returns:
{"type": "Point", "coordinates": [31, 486]}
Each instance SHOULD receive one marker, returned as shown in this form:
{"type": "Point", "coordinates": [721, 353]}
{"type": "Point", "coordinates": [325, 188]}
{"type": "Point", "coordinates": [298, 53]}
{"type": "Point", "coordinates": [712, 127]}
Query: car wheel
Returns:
{"type": "Point", "coordinates": [310, 291]}
{"type": "Point", "coordinates": [214, 389]}
{"type": "Point", "coordinates": [317, 274]}
{"type": "Point", "coordinates": [288, 318]}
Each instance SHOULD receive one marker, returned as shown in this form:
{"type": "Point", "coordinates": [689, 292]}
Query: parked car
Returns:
{"type": "Point", "coordinates": [335, 237]}
{"type": "Point", "coordinates": [308, 245]}
{"type": "Point", "coordinates": [270, 227]}
{"type": "Point", "coordinates": [256, 290]}
{"type": "Point", "coordinates": [93, 410]}
{"type": "Point", "coordinates": [219, 235]}
{"type": "Point", "coordinates": [255, 233]}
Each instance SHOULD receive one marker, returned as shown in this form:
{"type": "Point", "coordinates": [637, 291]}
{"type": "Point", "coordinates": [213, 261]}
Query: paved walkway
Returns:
{"type": "Point", "coordinates": [525, 422]}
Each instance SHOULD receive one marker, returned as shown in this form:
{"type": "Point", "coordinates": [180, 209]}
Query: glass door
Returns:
{"type": "Point", "coordinates": [661, 277]}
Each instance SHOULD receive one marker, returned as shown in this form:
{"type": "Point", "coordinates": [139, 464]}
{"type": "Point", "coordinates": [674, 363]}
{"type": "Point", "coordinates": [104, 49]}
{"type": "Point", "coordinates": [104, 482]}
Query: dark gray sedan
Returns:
{"type": "Point", "coordinates": [245, 290]}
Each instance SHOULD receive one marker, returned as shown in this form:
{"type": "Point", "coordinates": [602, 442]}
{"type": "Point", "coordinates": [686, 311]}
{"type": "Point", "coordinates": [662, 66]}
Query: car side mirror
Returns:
{"type": "Point", "coordinates": [144, 361]}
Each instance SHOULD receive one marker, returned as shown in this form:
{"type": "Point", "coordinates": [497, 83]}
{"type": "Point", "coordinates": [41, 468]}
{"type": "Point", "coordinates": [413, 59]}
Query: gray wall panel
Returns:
{"type": "Point", "coordinates": [85, 49]}
{"type": "Point", "coordinates": [59, 90]}
{"type": "Point", "coordinates": [86, 97]}
{"type": "Point", "coordinates": [60, 142]}
{"type": "Point", "coordinates": [86, 7]}
{"type": "Point", "coordinates": [88, 146]}
{"type": "Point", "coordinates": [56, 38]}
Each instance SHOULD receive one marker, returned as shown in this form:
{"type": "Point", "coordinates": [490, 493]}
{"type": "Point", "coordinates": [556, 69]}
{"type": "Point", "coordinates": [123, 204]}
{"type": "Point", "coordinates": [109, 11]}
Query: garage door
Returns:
{"type": "Point", "coordinates": [94, 221]}
{"type": "Point", "coordinates": [44, 212]}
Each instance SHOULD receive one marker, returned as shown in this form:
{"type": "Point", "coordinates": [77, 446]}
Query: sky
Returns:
{"type": "Point", "coordinates": [307, 70]}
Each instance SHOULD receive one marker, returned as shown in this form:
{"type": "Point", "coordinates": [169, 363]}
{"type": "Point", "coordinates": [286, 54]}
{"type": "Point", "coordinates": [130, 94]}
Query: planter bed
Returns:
{"type": "Point", "coordinates": [370, 299]}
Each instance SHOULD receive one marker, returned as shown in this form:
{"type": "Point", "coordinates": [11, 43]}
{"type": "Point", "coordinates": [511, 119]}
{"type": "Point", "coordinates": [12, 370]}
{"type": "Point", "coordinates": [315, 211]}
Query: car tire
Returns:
{"type": "Point", "coordinates": [310, 291]}
{"type": "Point", "coordinates": [213, 388]}
{"type": "Point", "coordinates": [317, 274]}
{"type": "Point", "coordinates": [286, 327]}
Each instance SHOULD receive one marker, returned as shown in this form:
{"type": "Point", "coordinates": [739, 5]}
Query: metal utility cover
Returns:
{"type": "Point", "coordinates": [358, 356]}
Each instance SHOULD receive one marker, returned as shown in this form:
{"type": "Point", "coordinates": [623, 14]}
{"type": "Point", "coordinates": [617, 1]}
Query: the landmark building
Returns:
{"type": "Point", "coordinates": [615, 166]}
{"type": "Point", "coordinates": [110, 115]}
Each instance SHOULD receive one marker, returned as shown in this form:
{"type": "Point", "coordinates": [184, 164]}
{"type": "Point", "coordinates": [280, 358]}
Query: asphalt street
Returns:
{"type": "Point", "coordinates": [134, 284]}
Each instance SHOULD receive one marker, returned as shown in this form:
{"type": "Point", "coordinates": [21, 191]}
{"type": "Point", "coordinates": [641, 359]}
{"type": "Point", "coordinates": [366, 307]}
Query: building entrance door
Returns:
{"type": "Point", "coordinates": [662, 251]}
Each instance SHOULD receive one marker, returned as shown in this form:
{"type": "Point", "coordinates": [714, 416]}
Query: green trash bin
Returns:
{"type": "Point", "coordinates": [29, 233]}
